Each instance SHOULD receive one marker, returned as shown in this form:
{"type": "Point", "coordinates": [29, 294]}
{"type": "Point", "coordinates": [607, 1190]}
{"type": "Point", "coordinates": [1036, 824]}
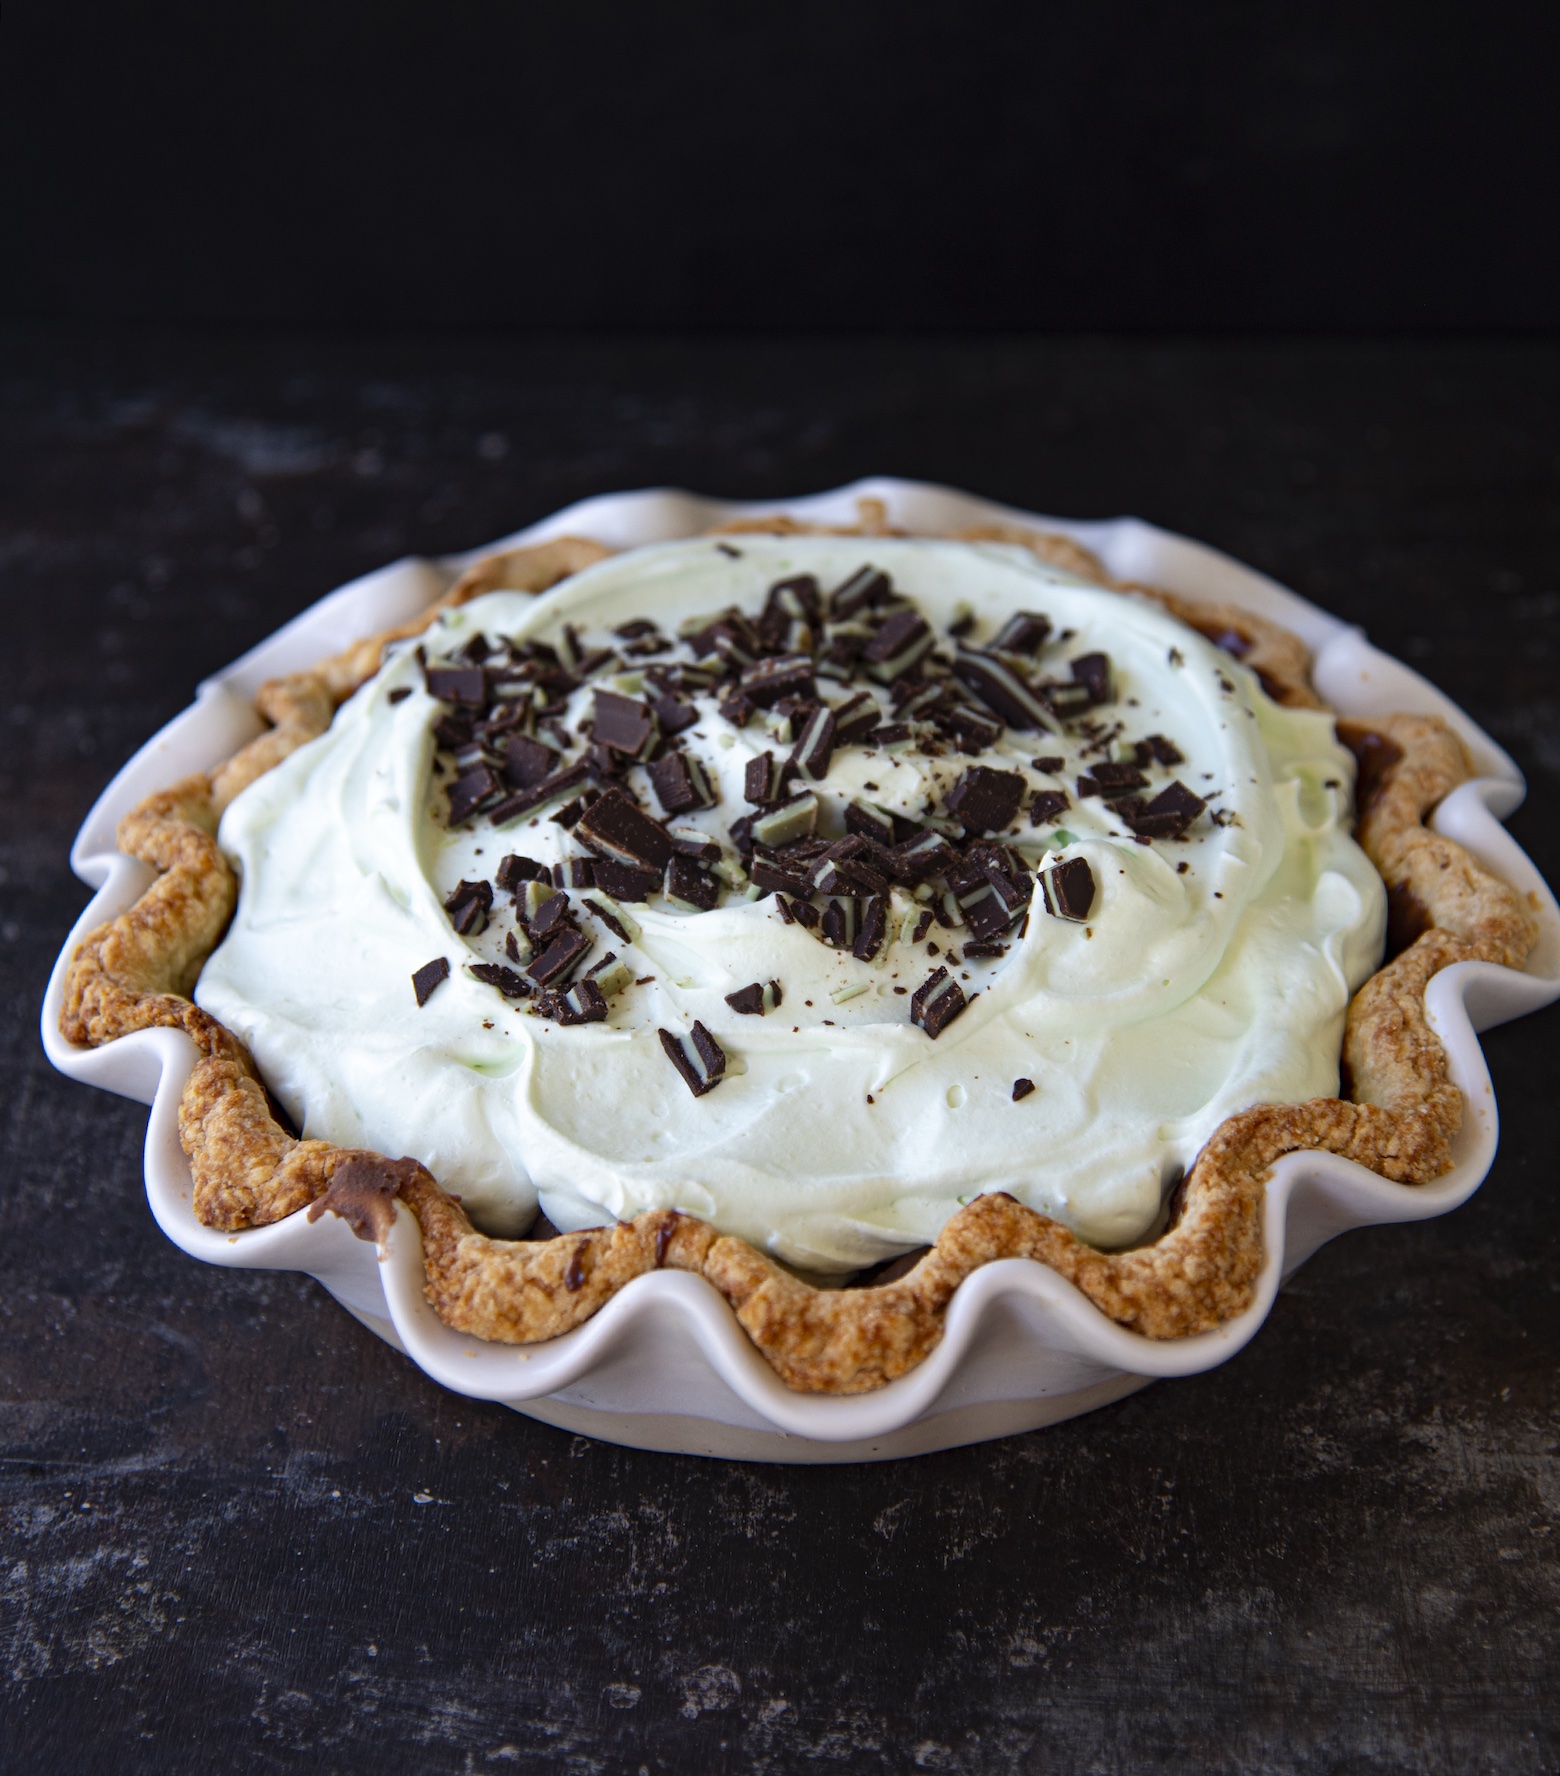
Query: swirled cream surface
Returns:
{"type": "Point", "coordinates": [1211, 973]}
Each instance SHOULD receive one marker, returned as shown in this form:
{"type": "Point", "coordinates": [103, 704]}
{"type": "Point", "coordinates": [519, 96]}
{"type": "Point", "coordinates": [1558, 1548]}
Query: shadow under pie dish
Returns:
{"type": "Point", "coordinates": [831, 831]}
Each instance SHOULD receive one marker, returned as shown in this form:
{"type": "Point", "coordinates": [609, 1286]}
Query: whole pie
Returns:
{"type": "Point", "coordinates": [826, 913]}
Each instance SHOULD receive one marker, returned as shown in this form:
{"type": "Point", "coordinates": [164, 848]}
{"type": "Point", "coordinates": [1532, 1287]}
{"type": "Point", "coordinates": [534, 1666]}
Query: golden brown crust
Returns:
{"type": "Point", "coordinates": [1399, 1119]}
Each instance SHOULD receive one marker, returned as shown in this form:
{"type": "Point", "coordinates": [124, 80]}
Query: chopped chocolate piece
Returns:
{"type": "Point", "coordinates": [780, 825]}
{"type": "Point", "coordinates": [457, 684]}
{"type": "Point", "coordinates": [800, 912]}
{"type": "Point", "coordinates": [761, 780]}
{"type": "Point", "coordinates": [985, 947]}
{"type": "Point", "coordinates": [574, 872]}
{"type": "Point", "coordinates": [852, 865]}
{"type": "Point", "coordinates": [985, 911]}
{"type": "Point", "coordinates": [582, 1003]}
{"type": "Point", "coordinates": [609, 919]}
{"type": "Point", "coordinates": [895, 735]}
{"type": "Point", "coordinates": [737, 709]}
{"type": "Point", "coordinates": [913, 697]}
{"type": "Point", "coordinates": [855, 718]}
{"type": "Point", "coordinates": [765, 682]}
{"type": "Point", "coordinates": [839, 924]}
{"type": "Point", "coordinates": [969, 730]}
{"type": "Point", "coordinates": [1049, 764]}
{"type": "Point", "coordinates": [815, 747]}
{"type": "Point", "coordinates": [1064, 699]}
{"type": "Point", "coordinates": [560, 958]}
{"type": "Point", "coordinates": [936, 1002]}
{"type": "Point", "coordinates": [699, 846]}
{"type": "Point", "coordinates": [1022, 633]}
{"type": "Point", "coordinates": [513, 872]}
{"type": "Point", "coordinates": [513, 948]}
{"type": "Point", "coordinates": [923, 924]}
{"type": "Point", "coordinates": [526, 761]}
{"type": "Point", "coordinates": [550, 914]}
{"type": "Point", "coordinates": [680, 783]}
{"type": "Point", "coordinates": [399, 694]}
{"type": "Point", "coordinates": [508, 982]}
{"type": "Point", "coordinates": [1092, 671]}
{"type": "Point", "coordinates": [866, 586]}
{"type": "Point", "coordinates": [927, 854]}
{"type": "Point", "coordinates": [873, 823]}
{"type": "Point", "coordinates": [1068, 889]}
{"type": "Point", "coordinates": [453, 730]}
{"type": "Point", "coordinates": [874, 925]}
{"type": "Point", "coordinates": [699, 1058]}
{"type": "Point", "coordinates": [568, 816]}
{"type": "Point", "coordinates": [755, 1000]}
{"type": "Point", "coordinates": [1022, 1088]}
{"type": "Point", "coordinates": [775, 877]}
{"type": "Point", "coordinates": [694, 887]}
{"type": "Point", "coordinates": [962, 626]}
{"type": "Point", "coordinates": [1047, 804]}
{"type": "Point", "coordinates": [1160, 751]}
{"type": "Point", "coordinates": [623, 881]}
{"type": "Point", "coordinates": [1167, 816]}
{"type": "Point", "coordinates": [468, 907]}
{"type": "Point", "coordinates": [528, 801]}
{"type": "Point", "coordinates": [633, 630]}
{"type": "Point", "coordinates": [899, 646]}
{"type": "Point", "coordinates": [615, 828]}
{"type": "Point", "coordinates": [431, 975]}
{"type": "Point", "coordinates": [623, 723]}
{"type": "Point", "coordinates": [472, 790]}
{"type": "Point", "coordinates": [985, 800]}
{"type": "Point", "coordinates": [796, 598]}
{"type": "Point", "coordinates": [1003, 689]}
{"type": "Point", "coordinates": [740, 832]}
{"type": "Point", "coordinates": [673, 714]}
{"type": "Point", "coordinates": [1109, 778]}
{"type": "Point", "coordinates": [476, 650]}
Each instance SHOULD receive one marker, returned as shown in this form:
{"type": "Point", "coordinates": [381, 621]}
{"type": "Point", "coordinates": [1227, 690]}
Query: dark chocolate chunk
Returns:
{"type": "Point", "coordinates": [1022, 1088]}
{"type": "Point", "coordinates": [985, 800]}
{"type": "Point", "coordinates": [1108, 778]}
{"type": "Point", "coordinates": [927, 854]}
{"type": "Point", "coordinates": [1049, 764]}
{"type": "Point", "coordinates": [457, 684]}
{"type": "Point", "coordinates": [985, 947]}
{"type": "Point", "coordinates": [680, 783]}
{"type": "Point", "coordinates": [898, 647]}
{"type": "Point", "coordinates": [1047, 804]}
{"type": "Point", "coordinates": [839, 923]}
{"type": "Point", "coordinates": [1068, 889]}
{"type": "Point", "coordinates": [452, 731]}
{"type": "Point", "coordinates": [699, 846]}
{"type": "Point", "coordinates": [969, 730]}
{"type": "Point", "coordinates": [1092, 671]}
{"type": "Point", "coordinates": [430, 975]}
{"type": "Point", "coordinates": [695, 887]}
{"type": "Point", "coordinates": [582, 1003]}
{"type": "Point", "coordinates": [527, 801]}
{"type": "Point", "coordinates": [560, 958]}
{"type": "Point", "coordinates": [1167, 816]}
{"type": "Point", "coordinates": [399, 694]}
{"type": "Point", "coordinates": [526, 761]}
{"type": "Point", "coordinates": [761, 780]}
{"type": "Point", "coordinates": [673, 714]}
{"type": "Point", "coordinates": [1159, 750]}
{"type": "Point", "coordinates": [873, 926]}
{"type": "Point", "coordinates": [699, 1058]}
{"type": "Point", "coordinates": [514, 872]}
{"type": "Point", "coordinates": [1022, 633]}
{"type": "Point", "coordinates": [855, 719]}
{"type": "Point", "coordinates": [613, 924]}
{"type": "Point", "coordinates": [922, 925]}
{"type": "Point", "coordinates": [774, 877]}
{"type": "Point", "coordinates": [1003, 689]}
{"type": "Point", "coordinates": [866, 586]}
{"type": "Point", "coordinates": [796, 598]}
{"type": "Point", "coordinates": [815, 746]}
{"type": "Point", "coordinates": [468, 907]}
{"type": "Point", "coordinates": [737, 709]}
{"type": "Point", "coordinates": [873, 823]}
{"type": "Point", "coordinates": [553, 913]}
{"type": "Point", "coordinates": [511, 984]}
{"type": "Point", "coordinates": [623, 881]}
{"type": "Point", "coordinates": [635, 629]}
{"type": "Point", "coordinates": [765, 682]}
{"type": "Point", "coordinates": [1065, 699]}
{"type": "Point", "coordinates": [755, 1000]}
{"type": "Point", "coordinates": [623, 723]}
{"type": "Point", "coordinates": [574, 872]}
{"type": "Point", "coordinates": [471, 790]}
{"type": "Point", "coordinates": [936, 1002]}
{"type": "Point", "coordinates": [799, 912]}
{"type": "Point", "coordinates": [568, 816]}
{"type": "Point", "coordinates": [616, 829]}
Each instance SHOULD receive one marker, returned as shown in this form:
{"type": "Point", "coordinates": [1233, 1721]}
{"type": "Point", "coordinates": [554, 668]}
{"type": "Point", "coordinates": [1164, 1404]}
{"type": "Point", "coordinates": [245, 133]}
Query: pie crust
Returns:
{"type": "Point", "coordinates": [1398, 1117]}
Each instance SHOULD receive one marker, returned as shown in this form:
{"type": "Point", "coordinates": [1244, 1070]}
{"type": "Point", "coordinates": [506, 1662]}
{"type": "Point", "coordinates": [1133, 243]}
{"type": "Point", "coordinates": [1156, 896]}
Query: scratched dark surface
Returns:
{"type": "Point", "coordinates": [240, 1533]}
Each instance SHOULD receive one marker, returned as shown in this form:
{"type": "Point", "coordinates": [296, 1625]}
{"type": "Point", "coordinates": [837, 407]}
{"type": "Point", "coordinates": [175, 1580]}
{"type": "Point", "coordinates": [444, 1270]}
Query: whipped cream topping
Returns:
{"type": "Point", "coordinates": [1212, 971]}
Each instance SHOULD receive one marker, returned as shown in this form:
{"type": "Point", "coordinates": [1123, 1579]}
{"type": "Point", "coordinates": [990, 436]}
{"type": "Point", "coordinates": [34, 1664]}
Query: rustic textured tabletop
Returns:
{"type": "Point", "coordinates": [238, 1531]}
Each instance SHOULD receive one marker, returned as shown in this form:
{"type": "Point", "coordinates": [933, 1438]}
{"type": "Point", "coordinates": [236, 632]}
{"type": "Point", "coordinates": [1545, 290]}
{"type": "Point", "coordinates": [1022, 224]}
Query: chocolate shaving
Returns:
{"type": "Point", "coordinates": [427, 978]}
{"type": "Point", "coordinates": [362, 1191]}
{"type": "Point", "coordinates": [399, 694]}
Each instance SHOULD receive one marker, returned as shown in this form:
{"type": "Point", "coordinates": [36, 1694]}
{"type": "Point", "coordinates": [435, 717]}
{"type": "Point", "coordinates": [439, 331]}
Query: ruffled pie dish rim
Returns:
{"type": "Point", "coordinates": [1018, 1340]}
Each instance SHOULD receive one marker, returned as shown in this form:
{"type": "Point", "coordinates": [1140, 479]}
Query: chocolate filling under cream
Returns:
{"type": "Point", "coordinates": [865, 811]}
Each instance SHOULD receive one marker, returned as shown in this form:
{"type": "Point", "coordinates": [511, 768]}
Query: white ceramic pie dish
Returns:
{"type": "Point", "coordinates": [665, 1365]}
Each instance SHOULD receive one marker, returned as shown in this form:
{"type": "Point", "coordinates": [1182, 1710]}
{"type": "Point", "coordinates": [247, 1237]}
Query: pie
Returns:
{"type": "Point", "coordinates": [827, 913]}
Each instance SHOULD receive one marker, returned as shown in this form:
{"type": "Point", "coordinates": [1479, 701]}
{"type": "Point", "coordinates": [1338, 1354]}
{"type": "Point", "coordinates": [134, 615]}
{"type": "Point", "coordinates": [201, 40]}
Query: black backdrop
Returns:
{"type": "Point", "coordinates": [1228, 165]}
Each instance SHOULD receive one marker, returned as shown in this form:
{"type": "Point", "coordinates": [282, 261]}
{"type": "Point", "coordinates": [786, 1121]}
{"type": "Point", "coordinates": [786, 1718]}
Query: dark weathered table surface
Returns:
{"type": "Point", "coordinates": [240, 1533]}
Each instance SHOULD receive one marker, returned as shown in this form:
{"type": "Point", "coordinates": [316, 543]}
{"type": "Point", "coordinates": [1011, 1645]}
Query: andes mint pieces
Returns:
{"type": "Point", "coordinates": [899, 646]}
{"type": "Point", "coordinates": [873, 925]}
{"type": "Point", "coordinates": [791, 820]}
{"type": "Point", "coordinates": [431, 975]}
{"type": "Point", "coordinates": [623, 881]}
{"type": "Point", "coordinates": [1109, 778]}
{"type": "Point", "coordinates": [839, 924]}
{"type": "Point", "coordinates": [513, 872]}
{"type": "Point", "coordinates": [691, 887]}
{"type": "Point", "coordinates": [616, 829]}
{"type": "Point", "coordinates": [815, 746]}
{"type": "Point", "coordinates": [1022, 633]}
{"type": "Point", "coordinates": [511, 984]}
{"type": "Point", "coordinates": [1160, 750]}
{"type": "Point", "coordinates": [673, 714]}
{"type": "Point", "coordinates": [526, 761]}
{"type": "Point", "coordinates": [582, 1003]}
{"type": "Point", "coordinates": [623, 723]}
{"type": "Point", "coordinates": [927, 854]}
{"type": "Point", "coordinates": [457, 684]}
{"type": "Point", "coordinates": [936, 1002]}
{"type": "Point", "coordinates": [698, 1057]}
{"type": "Point", "coordinates": [986, 800]}
{"type": "Point", "coordinates": [1004, 690]}
{"type": "Point", "coordinates": [539, 795]}
{"type": "Point", "coordinates": [765, 682]}
{"type": "Point", "coordinates": [1046, 805]}
{"type": "Point", "coordinates": [755, 1000]}
{"type": "Point", "coordinates": [1021, 1089]}
{"type": "Point", "coordinates": [560, 958]}
{"type": "Point", "coordinates": [552, 913]}
{"type": "Point", "coordinates": [866, 586]}
{"type": "Point", "coordinates": [1092, 671]}
{"type": "Point", "coordinates": [468, 907]}
{"type": "Point", "coordinates": [1068, 889]}
{"type": "Point", "coordinates": [471, 790]}
{"type": "Point", "coordinates": [856, 718]}
{"type": "Point", "coordinates": [1167, 816]}
{"type": "Point", "coordinates": [871, 821]}
{"type": "Point", "coordinates": [762, 780]}
{"type": "Point", "coordinates": [680, 783]}
{"type": "Point", "coordinates": [737, 709]}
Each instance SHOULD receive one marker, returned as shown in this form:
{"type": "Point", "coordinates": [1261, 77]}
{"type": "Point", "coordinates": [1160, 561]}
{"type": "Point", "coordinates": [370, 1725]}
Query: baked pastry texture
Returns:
{"type": "Point", "coordinates": [1398, 1117]}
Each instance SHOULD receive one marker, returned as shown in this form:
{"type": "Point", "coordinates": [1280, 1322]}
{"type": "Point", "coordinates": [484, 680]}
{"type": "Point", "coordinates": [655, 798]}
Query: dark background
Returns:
{"type": "Point", "coordinates": [291, 290]}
